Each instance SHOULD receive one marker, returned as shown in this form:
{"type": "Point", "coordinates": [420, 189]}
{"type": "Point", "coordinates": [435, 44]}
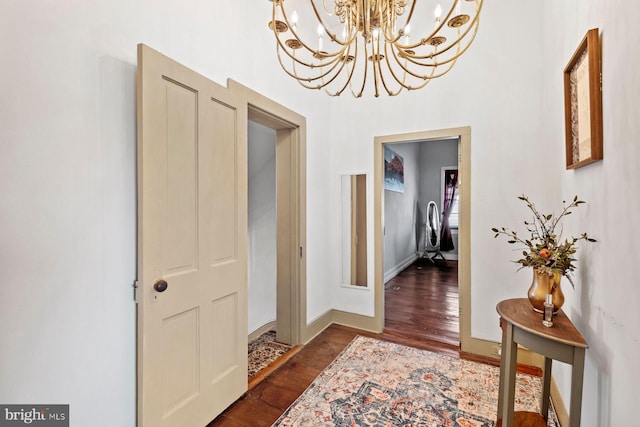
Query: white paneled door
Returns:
{"type": "Point", "coordinates": [192, 234]}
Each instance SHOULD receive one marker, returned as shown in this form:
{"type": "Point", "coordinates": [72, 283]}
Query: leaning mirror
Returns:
{"type": "Point", "coordinates": [354, 230]}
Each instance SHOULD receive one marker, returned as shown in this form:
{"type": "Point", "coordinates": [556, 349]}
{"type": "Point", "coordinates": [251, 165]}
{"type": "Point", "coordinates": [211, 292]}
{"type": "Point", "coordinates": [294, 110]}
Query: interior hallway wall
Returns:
{"type": "Point", "coordinates": [68, 183]}
{"type": "Point", "coordinates": [496, 92]}
{"type": "Point", "coordinates": [262, 239]}
{"type": "Point", "coordinates": [68, 205]}
{"type": "Point", "coordinates": [400, 246]}
{"type": "Point", "coordinates": [603, 305]}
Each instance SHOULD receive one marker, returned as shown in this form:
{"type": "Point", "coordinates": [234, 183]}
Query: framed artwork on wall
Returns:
{"type": "Point", "coordinates": [583, 103]}
{"type": "Point", "coordinates": [393, 171]}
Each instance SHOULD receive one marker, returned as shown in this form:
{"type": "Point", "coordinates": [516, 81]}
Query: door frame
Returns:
{"type": "Point", "coordinates": [291, 131]}
{"type": "Point", "coordinates": [467, 343]}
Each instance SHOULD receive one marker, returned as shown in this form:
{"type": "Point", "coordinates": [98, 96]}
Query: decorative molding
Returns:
{"type": "Point", "coordinates": [291, 143]}
{"type": "Point", "coordinates": [313, 329]}
{"type": "Point", "coordinates": [558, 404]}
{"type": "Point", "coordinates": [269, 326]}
{"type": "Point", "coordinates": [492, 349]}
{"type": "Point", "coordinates": [464, 238]}
{"type": "Point", "coordinates": [359, 321]}
{"type": "Point", "coordinates": [352, 320]}
{"type": "Point", "coordinates": [394, 271]}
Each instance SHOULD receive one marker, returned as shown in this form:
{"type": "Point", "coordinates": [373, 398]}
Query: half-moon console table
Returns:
{"type": "Point", "coordinates": [521, 325]}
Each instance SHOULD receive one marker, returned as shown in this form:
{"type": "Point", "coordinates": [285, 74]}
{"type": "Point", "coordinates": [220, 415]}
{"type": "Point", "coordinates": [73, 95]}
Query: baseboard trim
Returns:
{"type": "Point", "coordinates": [492, 349]}
{"type": "Point", "coordinates": [558, 404]}
{"type": "Point", "coordinates": [352, 320]}
{"type": "Point", "coordinates": [393, 272]}
{"type": "Point", "coordinates": [313, 329]}
{"type": "Point", "coordinates": [359, 321]}
{"type": "Point", "coordinates": [471, 345]}
{"type": "Point", "coordinates": [271, 326]}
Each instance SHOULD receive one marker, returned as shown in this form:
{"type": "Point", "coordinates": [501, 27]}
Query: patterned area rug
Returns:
{"type": "Point", "coordinates": [378, 383]}
{"type": "Point", "coordinates": [263, 351]}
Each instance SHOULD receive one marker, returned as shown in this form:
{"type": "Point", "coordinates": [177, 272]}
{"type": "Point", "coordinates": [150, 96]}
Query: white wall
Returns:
{"type": "Point", "coordinates": [67, 170]}
{"type": "Point", "coordinates": [400, 210]}
{"type": "Point", "coordinates": [603, 305]}
{"type": "Point", "coordinates": [261, 235]}
{"type": "Point", "coordinates": [495, 88]}
{"type": "Point", "coordinates": [68, 183]}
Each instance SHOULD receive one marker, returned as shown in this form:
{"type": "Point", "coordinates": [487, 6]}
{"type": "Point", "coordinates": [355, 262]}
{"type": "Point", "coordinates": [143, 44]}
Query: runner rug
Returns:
{"type": "Point", "coordinates": [378, 383]}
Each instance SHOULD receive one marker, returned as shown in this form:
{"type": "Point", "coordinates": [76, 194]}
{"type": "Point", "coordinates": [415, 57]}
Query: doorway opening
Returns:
{"type": "Point", "coordinates": [284, 137]}
{"type": "Point", "coordinates": [382, 266]}
{"type": "Point", "coordinates": [261, 230]}
{"type": "Point", "coordinates": [421, 240]}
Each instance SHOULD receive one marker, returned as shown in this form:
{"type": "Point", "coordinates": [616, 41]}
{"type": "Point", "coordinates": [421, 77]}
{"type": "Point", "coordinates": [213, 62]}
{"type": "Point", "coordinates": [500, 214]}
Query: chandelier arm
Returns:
{"type": "Point", "coordinates": [351, 70]}
{"type": "Point", "coordinates": [458, 53]}
{"type": "Point", "coordinates": [334, 56]}
{"type": "Point", "coordinates": [434, 76]}
{"type": "Point", "coordinates": [388, 33]}
{"type": "Point", "coordinates": [331, 35]}
{"type": "Point", "coordinates": [364, 76]}
{"type": "Point", "coordinates": [434, 67]}
{"type": "Point", "coordinates": [442, 24]}
{"type": "Point", "coordinates": [424, 41]}
{"type": "Point", "coordinates": [376, 70]}
{"type": "Point", "coordinates": [295, 34]}
{"type": "Point", "coordinates": [392, 38]}
{"type": "Point", "coordinates": [421, 85]}
{"type": "Point", "coordinates": [384, 83]}
{"type": "Point", "coordinates": [413, 58]}
{"type": "Point", "coordinates": [299, 79]}
{"type": "Point", "coordinates": [415, 75]}
{"type": "Point", "coordinates": [410, 14]}
{"type": "Point", "coordinates": [326, 9]}
{"type": "Point", "coordinates": [282, 46]}
{"type": "Point", "coordinates": [401, 82]}
{"type": "Point", "coordinates": [408, 70]}
{"type": "Point", "coordinates": [307, 79]}
{"type": "Point", "coordinates": [334, 76]}
{"type": "Point", "coordinates": [473, 26]}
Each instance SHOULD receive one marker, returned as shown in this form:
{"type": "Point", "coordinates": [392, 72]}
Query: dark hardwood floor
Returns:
{"type": "Point", "coordinates": [422, 306]}
{"type": "Point", "coordinates": [422, 301]}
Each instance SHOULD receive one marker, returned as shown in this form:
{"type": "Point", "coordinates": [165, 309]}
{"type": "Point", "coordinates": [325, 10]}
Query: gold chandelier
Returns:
{"type": "Point", "coordinates": [358, 38]}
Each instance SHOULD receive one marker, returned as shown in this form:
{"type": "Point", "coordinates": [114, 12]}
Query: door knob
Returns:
{"type": "Point", "coordinates": [160, 285]}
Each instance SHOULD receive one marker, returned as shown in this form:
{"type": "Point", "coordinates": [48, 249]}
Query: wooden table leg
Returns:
{"type": "Point", "coordinates": [577, 373]}
{"type": "Point", "coordinates": [507, 392]}
{"type": "Point", "coordinates": [503, 364]}
{"type": "Point", "coordinates": [546, 387]}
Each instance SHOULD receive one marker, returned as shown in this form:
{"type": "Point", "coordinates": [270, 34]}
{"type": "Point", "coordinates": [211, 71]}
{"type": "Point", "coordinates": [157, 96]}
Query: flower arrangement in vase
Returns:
{"type": "Point", "coordinates": [546, 252]}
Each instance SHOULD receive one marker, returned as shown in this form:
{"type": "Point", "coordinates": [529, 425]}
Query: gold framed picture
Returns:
{"type": "Point", "coordinates": [583, 103]}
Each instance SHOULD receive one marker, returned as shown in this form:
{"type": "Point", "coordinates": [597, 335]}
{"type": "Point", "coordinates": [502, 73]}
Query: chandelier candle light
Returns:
{"type": "Point", "coordinates": [402, 44]}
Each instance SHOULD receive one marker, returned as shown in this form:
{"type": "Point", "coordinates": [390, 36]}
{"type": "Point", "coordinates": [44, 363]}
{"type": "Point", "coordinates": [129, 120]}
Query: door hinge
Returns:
{"type": "Point", "coordinates": [135, 291]}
